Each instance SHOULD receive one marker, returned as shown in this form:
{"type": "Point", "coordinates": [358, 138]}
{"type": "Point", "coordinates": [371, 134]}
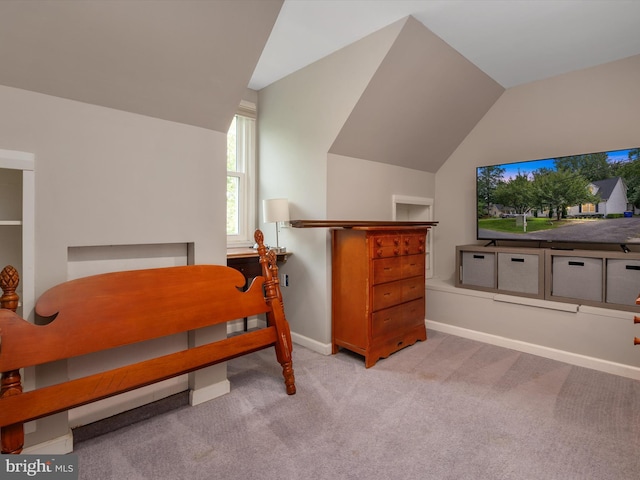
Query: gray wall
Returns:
{"type": "Point", "coordinates": [590, 110]}
{"type": "Point", "coordinates": [298, 119]}
{"type": "Point", "coordinates": [107, 177]}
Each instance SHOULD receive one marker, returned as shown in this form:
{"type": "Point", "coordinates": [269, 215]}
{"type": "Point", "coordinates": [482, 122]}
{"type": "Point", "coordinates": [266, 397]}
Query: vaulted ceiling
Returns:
{"type": "Point", "coordinates": [422, 101]}
{"type": "Point", "coordinates": [188, 61]}
{"type": "Point", "coordinates": [514, 42]}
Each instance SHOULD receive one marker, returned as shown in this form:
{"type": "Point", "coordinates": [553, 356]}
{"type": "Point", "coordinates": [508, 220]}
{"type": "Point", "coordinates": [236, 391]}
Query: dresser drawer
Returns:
{"type": "Point", "coordinates": [414, 313]}
{"type": "Point", "coordinates": [395, 268]}
{"type": "Point", "coordinates": [413, 288]}
{"type": "Point", "coordinates": [397, 319]}
{"type": "Point", "coordinates": [413, 244]}
{"type": "Point", "coordinates": [388, 294]}
{"type": "Point", "coordinates": [387, 270]}
{"type": "Point", "coordinates": [383, 246]}
{"type": "Point", "coordinates": [413, 266]}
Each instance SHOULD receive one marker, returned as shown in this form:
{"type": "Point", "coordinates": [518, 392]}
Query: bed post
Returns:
{"type": "Point", "coordinates": [12, 436]}
{"type": "Point", "coordinates": [276, 317]}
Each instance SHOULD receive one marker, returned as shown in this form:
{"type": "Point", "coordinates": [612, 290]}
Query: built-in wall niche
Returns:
{"type": "Point", "coordinates": [83, 261]}
{"type": "Point", "coordinates": [11, 220]}
{"type": "Point", "coordinates": [17, 235]}
{"type": "Point", "coordinates": [416, 209]}
{"type": "Point", "coordinates": [17, 222]}
{"type": "Point", "coordinates": [93, 260]}
{"type": "Point", "coordinates": [10, 196]}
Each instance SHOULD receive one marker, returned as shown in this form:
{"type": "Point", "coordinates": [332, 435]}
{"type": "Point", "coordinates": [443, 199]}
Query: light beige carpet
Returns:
{"type": "Point", "coordinates": [447, 408]}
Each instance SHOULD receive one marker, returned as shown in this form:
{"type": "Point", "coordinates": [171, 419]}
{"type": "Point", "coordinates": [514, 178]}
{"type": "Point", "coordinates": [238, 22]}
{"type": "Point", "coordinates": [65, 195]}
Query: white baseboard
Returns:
{"type": "Point", "coordinates": [123, 402]}
{"type": "Point", "coordinates": [235, 326]}
{"type": "Point", "coordinates": [560, 355]}
{"type": "Point", "coordinates": [56, 446]}
{"type": "Point", "coordinates": [201, 395]}
{"type": "Point", "coordinates": [311, 344]}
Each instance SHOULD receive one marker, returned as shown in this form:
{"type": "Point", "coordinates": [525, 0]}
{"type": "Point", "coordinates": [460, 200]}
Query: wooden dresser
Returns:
{"type": "Point", "coordinates": [378, 292]}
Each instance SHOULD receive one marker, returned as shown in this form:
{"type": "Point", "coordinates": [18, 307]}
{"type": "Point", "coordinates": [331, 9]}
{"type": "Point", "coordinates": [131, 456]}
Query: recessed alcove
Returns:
{"type": "Point", "coordinates": [83, 261]}
{"type": "Point", "coordinates": [416, 209]}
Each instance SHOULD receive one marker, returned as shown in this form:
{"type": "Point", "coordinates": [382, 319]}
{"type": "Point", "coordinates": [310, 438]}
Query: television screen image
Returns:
{"type": "Point", "coordinates": [593, 198]}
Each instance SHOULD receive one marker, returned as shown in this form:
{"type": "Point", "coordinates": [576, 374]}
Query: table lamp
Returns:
{"type": "Point", "coordinates": [276, 210]}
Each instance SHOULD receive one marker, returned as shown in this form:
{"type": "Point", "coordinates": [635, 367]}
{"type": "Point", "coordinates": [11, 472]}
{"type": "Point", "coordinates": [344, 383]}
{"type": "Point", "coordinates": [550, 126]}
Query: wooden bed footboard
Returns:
{"type": "Point", "coordinates": [106, 311]}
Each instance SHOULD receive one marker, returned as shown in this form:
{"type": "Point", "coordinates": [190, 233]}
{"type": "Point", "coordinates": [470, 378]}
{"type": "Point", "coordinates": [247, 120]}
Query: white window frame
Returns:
{"type": "Point", "coordinates": [246, 147]}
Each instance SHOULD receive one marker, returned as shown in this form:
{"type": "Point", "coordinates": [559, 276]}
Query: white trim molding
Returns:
{"type": "Point", "coordinates": [551, 353]}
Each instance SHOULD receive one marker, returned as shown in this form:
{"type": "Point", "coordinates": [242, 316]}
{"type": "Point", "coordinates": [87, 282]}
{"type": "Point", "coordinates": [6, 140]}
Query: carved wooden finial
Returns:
{"type": "Point", "coordinates": [259, 237]}
{"type": "Point", "coordinates": [268, 261]}
{"type": "Point", "coordinates": [10, 384]}
{"type": "Point", "coordinates": [9, 281]}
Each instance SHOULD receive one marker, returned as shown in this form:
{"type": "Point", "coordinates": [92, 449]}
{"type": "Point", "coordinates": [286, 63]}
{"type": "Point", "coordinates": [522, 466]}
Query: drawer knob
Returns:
{"type": "Point", "coordinates": [379, 242]}
{"type": "Point", "coordinates": [379, 252]}
{"type": "Point", "coordinates": [396, 251]}
{"type": "Point", "coordinates": [636, 319]}
{"type": "Point", "coordinates": [396, 240]}
{"type": "Point", "coordinates": [636, 341]}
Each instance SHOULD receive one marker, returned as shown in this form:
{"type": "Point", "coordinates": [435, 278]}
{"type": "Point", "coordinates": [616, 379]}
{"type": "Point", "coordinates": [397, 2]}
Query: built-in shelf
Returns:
{"type": "Point", "coordinates": [605, 279]}
{"type": "Point", "coordinates": [17, 244]}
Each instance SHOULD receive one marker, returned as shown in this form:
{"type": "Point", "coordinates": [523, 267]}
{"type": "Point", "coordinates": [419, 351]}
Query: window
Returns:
{"type": "Point", "coordinates": [241, 176]}
{"type": "Point", "coordinates": [588, 208]}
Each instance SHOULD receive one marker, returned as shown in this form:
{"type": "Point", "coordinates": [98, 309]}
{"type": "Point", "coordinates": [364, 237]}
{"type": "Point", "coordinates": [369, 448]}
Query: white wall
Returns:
{"type": "Point", "coordinates": [591, 110]}
{"type": "Point", "coordinates": [363, 190]}
{"type": "Point", "coordinates": [585, 111]}
{"type": "Point", "coordinates": [299, 118]}
{"type": "Point", "coordinates": [617, 202]}
{"type": "Point", "coordinates": [107, 177]}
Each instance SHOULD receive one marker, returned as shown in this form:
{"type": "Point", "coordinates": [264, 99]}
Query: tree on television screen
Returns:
{"type": "Point", "coordinates": [518, 193]}
{"type": "Point", "coordinates": [560, 189]}
{"type": "Point", "coordinates": [488, 180]}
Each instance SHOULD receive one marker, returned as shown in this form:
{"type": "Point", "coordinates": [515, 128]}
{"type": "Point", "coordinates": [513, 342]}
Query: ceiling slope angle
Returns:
{"type": "Point", "coordinates": [420, 104]}
{"type": "Point", "coordinates": [187, 61]}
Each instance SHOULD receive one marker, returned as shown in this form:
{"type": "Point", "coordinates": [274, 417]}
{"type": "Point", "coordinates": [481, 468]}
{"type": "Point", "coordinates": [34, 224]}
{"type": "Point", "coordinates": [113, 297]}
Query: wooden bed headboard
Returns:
{"type": "Point", "coordinates": [106, 311]}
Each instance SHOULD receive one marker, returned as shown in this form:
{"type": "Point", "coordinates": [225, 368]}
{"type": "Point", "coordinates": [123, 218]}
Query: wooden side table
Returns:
{"type": "Point", "coordinates": [246, 260]}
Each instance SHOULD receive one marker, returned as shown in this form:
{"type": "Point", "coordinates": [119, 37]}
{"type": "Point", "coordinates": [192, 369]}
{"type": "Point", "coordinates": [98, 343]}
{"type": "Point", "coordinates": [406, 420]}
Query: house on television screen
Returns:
{"type": "Point", "coordinates": [613, 199]}
{"type": "Point", "coordinates": [503, 211]}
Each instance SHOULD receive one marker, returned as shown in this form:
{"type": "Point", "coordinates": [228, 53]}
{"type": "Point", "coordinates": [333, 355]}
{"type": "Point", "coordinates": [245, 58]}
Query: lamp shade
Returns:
{"type": "Point", "coordinates": [275, 210]}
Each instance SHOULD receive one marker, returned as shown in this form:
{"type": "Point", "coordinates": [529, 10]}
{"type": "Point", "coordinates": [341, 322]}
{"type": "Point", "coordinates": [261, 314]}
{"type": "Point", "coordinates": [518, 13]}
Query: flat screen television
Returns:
{"type": "Point", "coordinates": [593, 197]}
